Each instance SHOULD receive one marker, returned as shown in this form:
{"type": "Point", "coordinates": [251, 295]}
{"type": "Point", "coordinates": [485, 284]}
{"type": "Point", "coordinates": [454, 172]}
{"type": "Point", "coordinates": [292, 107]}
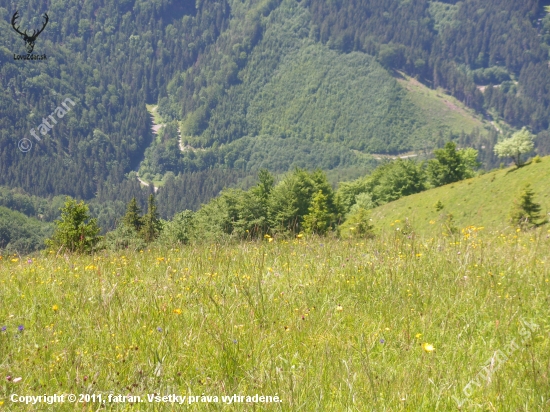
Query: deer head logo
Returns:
{"type": "Point", "coordinates": [29, 40]}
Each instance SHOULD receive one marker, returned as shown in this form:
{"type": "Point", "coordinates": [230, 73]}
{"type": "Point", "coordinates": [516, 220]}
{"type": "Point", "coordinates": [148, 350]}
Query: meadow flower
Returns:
{"type": "Point", "coordinates": [418, 335]}
{"type": "Point", "coordinates": [29, 261]}
{"type": "Point", "coordinates": [8, 378]}
{"type": "Point", "coordinates": [428, 347]}
{"type": "Point", "coordinates": [382, 341]}
{"type": "Point", "coordinates": [159, 329]}
{"type": "Point", "coordinates": [177, 311]}
{"type": "Point", "coordinates": [3, 328]}
{"type": "Point", "coordinates": [339, 308]}
{"type": "Point", "coordinates": [20, 328]}
{"type": "Point", "coordinates": [55, 308]}
{"type": "Point", "coordinates": [15, 380]}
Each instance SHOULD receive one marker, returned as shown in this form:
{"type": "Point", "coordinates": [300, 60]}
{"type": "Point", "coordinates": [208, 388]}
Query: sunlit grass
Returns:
{"type": "Point", "coordinates": [396, 323]}
{"type": "Point", "coordinates": [485, 200]}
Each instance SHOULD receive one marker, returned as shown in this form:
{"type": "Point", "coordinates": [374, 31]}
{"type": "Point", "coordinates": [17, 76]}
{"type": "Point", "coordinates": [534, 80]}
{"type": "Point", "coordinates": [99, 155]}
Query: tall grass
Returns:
{"type": "Point", "coordinates": [325, 324]}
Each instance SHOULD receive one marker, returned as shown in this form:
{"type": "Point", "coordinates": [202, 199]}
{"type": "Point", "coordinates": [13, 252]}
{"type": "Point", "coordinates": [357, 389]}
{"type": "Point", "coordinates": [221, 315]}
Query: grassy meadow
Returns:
{"type": "Point", "coordinates": [396, 323]}
{"type": "Point", "coordinates": [485, 200]}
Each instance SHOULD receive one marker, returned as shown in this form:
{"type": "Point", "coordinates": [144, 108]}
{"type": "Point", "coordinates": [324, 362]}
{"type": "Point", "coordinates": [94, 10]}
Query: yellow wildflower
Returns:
{"type": "Point", "coordinates": [428, 347]}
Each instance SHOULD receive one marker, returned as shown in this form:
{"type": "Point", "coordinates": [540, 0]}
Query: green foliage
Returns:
{"type": "Point", "coordinates": [358, 224]}
{"type": "Point", "coordinates": [492, 75]}
{"type": "Point", "coordinates": [75, 231]}
{"type": "Point", "coordinates": [45, 209]}
{"type": "Point", "coordinates": [292, 197]}
{"type": "Point", "coordinates": [392, 56]}
{"type": "Point", "coordinates": [441, 42]}
{"type": "Point", "coordinates": [520, 143]}
{"type": "Point", "coordinates": [152, 225]}
{"type": "Point", "coordinates": [388, 182]}
{"type": "Point", "coordinates": [443, 14]}
{"type": "Point", "coordinates": [266, 208]}
{"type": "Point", "coordinates": [318, 220]}
{"type": "Point", "coordinates": [526, 212]}
{"type": "Point", "coordinates": [439, 206]}
{"type": "Point", "coordinates": [451, 165]}
{"type": "Point", "coordinates": [181, 229]}
{"type": "Point", "coordinates": [133, 219]}
{"type": "Point", "coordinates": [108, 128]}
{"type": "Point", "coordinates": [123, 238]}
{"type": "Point", "coordinates": [396, 179]}
{"type": "Point", "coordinates": [21, 234]}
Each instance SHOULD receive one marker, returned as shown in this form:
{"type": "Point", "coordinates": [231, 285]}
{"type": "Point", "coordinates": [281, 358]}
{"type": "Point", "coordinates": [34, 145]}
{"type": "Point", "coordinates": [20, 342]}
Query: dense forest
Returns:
{"type": "Point", "coordinates": [244, 85]}
{"type": "Point", "coordinates": [111, 58]}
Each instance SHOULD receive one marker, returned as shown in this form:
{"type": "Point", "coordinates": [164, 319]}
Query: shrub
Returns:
{"type": "Point", "coordinates": [123, 237]}
{"type": "Point", "coordinates": [357, 225]}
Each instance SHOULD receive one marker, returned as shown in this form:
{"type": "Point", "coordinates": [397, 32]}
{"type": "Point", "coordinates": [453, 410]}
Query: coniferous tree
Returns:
{"type": "Point", "coordinates": [75, 230]}
{"type": "Point", "coordinates": [526, 212]}
{"type": "Point", "coordinates": [133, 218]}
{"type": "Point", "coordinates": [152, 225]}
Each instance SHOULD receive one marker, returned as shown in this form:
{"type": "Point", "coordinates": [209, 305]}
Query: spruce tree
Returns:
{"type": "Point", "coordinates": [133, 218]}
{"type": "Point", "coordinates": [75, 230]}
{"type": "Point", "coordinates": [526, 212]}
{"type": "Point", "coordinates": [152, 225]}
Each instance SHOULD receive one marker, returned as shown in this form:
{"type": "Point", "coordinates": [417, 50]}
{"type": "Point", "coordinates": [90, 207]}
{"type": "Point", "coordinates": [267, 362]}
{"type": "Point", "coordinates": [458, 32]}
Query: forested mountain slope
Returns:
{"type": "Point", "coordinates": [110, 58]}
{"type": "Point", "coordinates": [260, 83]}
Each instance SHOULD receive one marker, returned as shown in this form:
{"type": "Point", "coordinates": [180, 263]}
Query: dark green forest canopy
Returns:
{"type": "Point", "coordinates": [253, 84]}
{"type": "Point", "coordinates": [444, 42]}
{"type": "Point", "coordinates": [111, 58]}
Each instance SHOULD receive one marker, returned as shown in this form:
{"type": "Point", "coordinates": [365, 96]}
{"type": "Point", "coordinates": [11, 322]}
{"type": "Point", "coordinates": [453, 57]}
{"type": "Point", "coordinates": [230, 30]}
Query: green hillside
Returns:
{"type": "Point", "coordinates": [485, 200]}
{"type": "Point", "coordinates": [293, 102]}
{"type": "Point", "coordinates": [444, 112]}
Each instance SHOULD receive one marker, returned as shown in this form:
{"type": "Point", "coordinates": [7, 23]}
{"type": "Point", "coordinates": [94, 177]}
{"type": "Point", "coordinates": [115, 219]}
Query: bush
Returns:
{"type": "Point", "coordinates": [181, 229]}
{"type": "Point", "coordinates": [123, 237]}
{"type": "Point", "coordinates": [357, 225]}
